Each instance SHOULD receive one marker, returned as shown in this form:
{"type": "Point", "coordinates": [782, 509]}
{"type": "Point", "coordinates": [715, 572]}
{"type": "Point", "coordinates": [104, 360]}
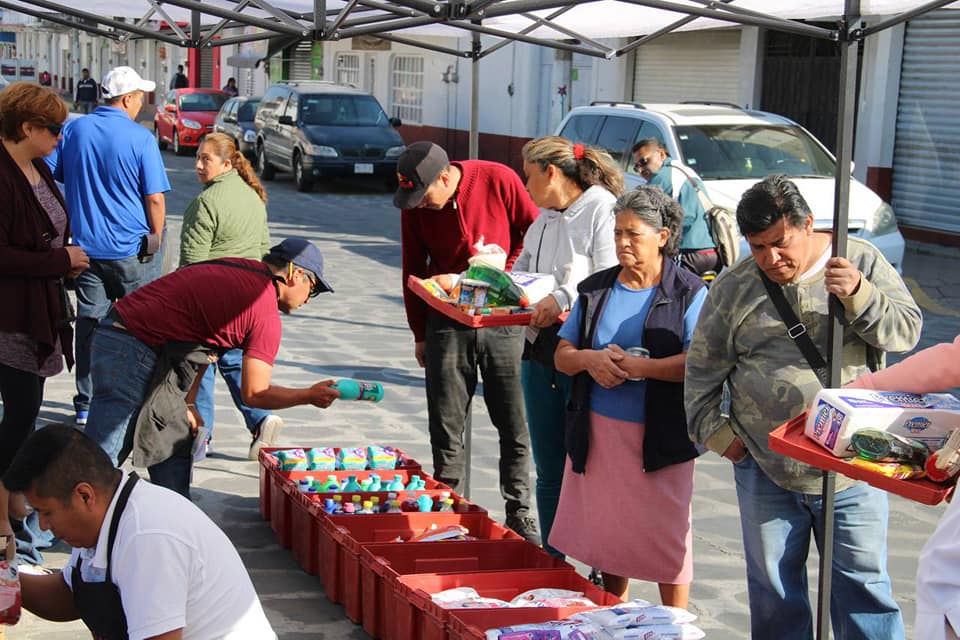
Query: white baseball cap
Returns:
{"type": "Point", "coordinates": [123, 80]}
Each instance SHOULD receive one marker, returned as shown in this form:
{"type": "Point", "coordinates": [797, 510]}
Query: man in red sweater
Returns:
{"type": "Point", "coordinates": [447, 207]}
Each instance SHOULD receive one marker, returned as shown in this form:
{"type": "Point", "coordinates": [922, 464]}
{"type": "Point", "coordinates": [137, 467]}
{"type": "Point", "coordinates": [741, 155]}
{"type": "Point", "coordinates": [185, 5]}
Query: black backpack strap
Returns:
{"type": "Point", "coordinates": [796, 329]}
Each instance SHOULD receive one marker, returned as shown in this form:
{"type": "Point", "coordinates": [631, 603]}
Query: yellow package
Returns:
{"type": "Point", "coordinates": [895, 470]}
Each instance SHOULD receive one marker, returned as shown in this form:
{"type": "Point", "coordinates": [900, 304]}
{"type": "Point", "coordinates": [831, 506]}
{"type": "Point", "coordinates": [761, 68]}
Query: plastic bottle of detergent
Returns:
{"type": "Point", "coordinates": [376, 503]}
{"type": "Point", "coordinates": [410, 504]}
{"type": "Point", "coordinates": [393, 506]}
{"type": "Point", "coordinates": [329, 505]}
{"type": "Point", "coordinates": [338, 503]}
{"type": "Point", "coordinates": [352, 484]}
{"type": "Point", "coordinates": [446, 505]}
{"type": "Point", "coordinates": [425, 503]}
{"type": "Point", "coordinates": [367, 507]}
{"type": "Point", "coordinates": [414, 483]}
{"type": "Point", "coordinates": [375, 483]}
{"type": "Point", "coordinates": [358, 390]}
{"type": "Point", "coordinates": [332, 484]}
{"type": "Point", "coordinates": [396, 484]}
{"type": "Point", "coordinates": [349, 509]}
{"type": "Point", "coordinates": [365, 484]}
{"type": "Point", "coordinates": [503, 290]}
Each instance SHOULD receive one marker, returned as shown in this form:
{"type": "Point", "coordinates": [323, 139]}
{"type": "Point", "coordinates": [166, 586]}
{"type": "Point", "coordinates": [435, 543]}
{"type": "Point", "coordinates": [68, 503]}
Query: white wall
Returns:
{"type": "Point", "coordinates": [879, 92]}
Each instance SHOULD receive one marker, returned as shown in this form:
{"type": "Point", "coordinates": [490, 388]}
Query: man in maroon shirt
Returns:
{"type": "Point", "coordinates": [233, 303]}
{"type": "Point", "coordinates": [447, 207]}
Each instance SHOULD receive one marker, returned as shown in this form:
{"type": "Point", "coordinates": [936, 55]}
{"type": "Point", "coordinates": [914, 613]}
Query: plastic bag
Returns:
{"type": "Point", "coordinates": [636, 613]}
{"type": "Point", "coordinates": [488, 254]}
{"type": "Point", "coordinates": [466, 598]}
{"type": "Point", "coordinates": [551, 598]}
{"type": "Point", "coordinates": [10, 597]}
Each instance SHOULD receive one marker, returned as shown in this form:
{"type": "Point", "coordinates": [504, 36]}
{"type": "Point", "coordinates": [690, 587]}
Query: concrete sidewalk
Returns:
{"type": "Point", "coordinates": [360, 331]}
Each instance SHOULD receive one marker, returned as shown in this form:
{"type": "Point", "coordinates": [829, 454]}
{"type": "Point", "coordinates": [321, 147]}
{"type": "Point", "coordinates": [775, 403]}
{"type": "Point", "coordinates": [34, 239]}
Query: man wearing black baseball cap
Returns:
{"type": "Point", "coordinates": [151, 351]}
{"type": "Point", "coordinates": [447, 208]}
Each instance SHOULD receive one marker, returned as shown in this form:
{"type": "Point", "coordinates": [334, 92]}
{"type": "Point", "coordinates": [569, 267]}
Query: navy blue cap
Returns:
{"type": "Point", "coordinates": [305, 255]}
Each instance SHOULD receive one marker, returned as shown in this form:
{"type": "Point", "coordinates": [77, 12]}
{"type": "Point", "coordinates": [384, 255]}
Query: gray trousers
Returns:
{"type": "Point", "coordinates": [454, 353]}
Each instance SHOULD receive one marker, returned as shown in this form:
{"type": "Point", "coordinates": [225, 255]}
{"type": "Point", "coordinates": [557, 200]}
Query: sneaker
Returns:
{"type": "Point", "coordinates": [82, 417]}
{"type": "Point", "coordinates": [526, 527]}
{"type": "Point", "coordinates": [265, 436]}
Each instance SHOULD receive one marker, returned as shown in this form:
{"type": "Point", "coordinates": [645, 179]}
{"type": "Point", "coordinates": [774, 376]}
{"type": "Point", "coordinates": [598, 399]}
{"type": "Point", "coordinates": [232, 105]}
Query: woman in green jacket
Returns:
{"type": "Point", "coordinates": [228, 220]}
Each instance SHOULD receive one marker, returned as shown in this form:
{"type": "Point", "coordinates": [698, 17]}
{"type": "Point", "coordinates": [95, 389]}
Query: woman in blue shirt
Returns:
{"type": "Point", "coordinates": [625, 502]}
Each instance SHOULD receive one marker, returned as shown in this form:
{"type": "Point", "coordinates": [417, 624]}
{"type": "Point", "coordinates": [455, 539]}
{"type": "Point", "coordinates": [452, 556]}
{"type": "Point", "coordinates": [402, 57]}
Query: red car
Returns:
{"type": "Point", "coordinates": [185, 116]}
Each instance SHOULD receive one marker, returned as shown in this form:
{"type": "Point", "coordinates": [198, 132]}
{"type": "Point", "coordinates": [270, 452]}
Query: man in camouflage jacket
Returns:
{"type": "Point", "coordinates": [741, 340]}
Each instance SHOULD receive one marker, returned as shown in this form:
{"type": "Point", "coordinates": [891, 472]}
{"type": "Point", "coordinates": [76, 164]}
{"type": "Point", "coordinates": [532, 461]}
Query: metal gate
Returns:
{"type": "Point", "coordinates": [926, 158]}
{"type": "Point", "coordinates": [701, 65]}
{"type": "Point", "coordinates": [301, 61]}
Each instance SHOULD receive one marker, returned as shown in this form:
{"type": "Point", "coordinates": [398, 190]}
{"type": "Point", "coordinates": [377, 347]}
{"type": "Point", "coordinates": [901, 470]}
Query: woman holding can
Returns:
{"type": "Point", "coordinates": [576, 187]}
{"type": "Point", "coordinates": [629, 478]}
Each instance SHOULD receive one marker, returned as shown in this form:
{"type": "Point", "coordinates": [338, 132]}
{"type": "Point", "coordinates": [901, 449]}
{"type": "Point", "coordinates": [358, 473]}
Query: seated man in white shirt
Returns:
{"type": "Point", "coordinates": [146, 563]}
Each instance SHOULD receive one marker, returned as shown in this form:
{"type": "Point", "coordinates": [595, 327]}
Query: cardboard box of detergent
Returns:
{"type": "Point", "coordinates": [836, 414]}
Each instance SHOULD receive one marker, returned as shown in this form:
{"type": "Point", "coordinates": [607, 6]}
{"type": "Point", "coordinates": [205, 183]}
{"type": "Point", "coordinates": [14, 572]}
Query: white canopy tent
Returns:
{"type": "Point", "coordinates": [563, 24]}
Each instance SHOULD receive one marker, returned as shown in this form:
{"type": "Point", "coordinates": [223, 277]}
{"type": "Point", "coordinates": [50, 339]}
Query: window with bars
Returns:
{"type": "Point", "coordinates": [406, 88]}
{"type": "Point", "coordinates": [348, 69]}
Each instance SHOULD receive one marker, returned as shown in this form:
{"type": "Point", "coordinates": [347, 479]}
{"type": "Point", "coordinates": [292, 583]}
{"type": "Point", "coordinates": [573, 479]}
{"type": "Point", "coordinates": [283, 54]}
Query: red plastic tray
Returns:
{"type": "Point", "coordinates": [340, 539]}
{"type": "Point", "coordinates": [790, 440]}
{"type": "Point", "coordinates": [381, 564]}
{"type": "Point", "coordinates": [303, 518]}
{"type": "Point", "coordinates": [452, 312]}
{"type": "Point", "coordinates": [269, 462]}
{"type": "Point", "coordinates": [416, 616]}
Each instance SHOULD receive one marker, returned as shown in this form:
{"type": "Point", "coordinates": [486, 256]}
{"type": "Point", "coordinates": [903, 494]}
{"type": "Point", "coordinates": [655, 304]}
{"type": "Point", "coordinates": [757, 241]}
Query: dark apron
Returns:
{"type": "Point", "coordinates": [99, 603]}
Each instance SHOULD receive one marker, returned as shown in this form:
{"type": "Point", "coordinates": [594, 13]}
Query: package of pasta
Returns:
{"type": "Point", "coordinates": [895, 470]}
{"type": "Point", "coordinates": [10, 597]}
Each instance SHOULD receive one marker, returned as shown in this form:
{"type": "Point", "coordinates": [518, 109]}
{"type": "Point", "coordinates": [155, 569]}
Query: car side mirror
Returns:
{"type": "Point", "coordinates": [229, 119]}
{"type": "Point", "coordinates": [395, 123]}
{"type": "Point", "coordinates": [285, 120]}
{"type": "Point", "coordinates": [172, 108]}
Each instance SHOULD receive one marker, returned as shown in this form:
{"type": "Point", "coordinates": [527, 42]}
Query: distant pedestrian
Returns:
{"type": "Point", "coordinates": [228, 220]}
{"type": "Point", "coordinates": [231, 87]}
{"type": "Point", "coordinates": [114, 182]}
{"type": "Point", "coordinates": [179, 80]}
{"type": "Point", "coordinates": [87, 93]}
{"type": "Point", "coordinates": [45, 80]}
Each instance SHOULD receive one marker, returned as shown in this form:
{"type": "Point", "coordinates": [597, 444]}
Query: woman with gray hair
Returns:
{"type": "Point", "coordinates": [629, 475]}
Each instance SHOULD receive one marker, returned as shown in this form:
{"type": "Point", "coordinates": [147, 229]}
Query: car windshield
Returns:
{"type": "Point", "coordinates": [202, 101]}
{"type": "Point", "coordinates": [353, 111]}
{"type": "Point", "coordinates": [247, 111]}
{"type": "Point", "coordinates": [730, 152]}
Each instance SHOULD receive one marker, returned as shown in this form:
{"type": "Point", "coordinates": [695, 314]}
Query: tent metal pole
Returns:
{"type": "Point", "coordinates": [170, 21]}
{"type": "Point", "coordinates": [906, 15]}
{"type": "Point", "coordinates": [726, 16]}
{"type": "Point", "coordinates": [250, 37]}
{"type": "Point", "coordinates": [194, 32]}
{"type": "Point", "coordinates": [282, 16]}
{"type": "Point", "coordinates": [474, 151]}
{"type": "Point", "coordinates": [343, 15]}
{"type": "Point", "coordinates": [220, 26]}
{"type": "Point", "coordinates": [524, 31]}
{"type": "Point", "coordinates": [320, 18]}
{"type": "Point", "coordinates": [555, 44]}
{"type": "Point", "coordinates": [424, 45]}
{"type": "Point", "coordinates": [215, 10]}
{"type": "Point", "coordinates": [377, 29]}
{"type": "Point", "coordinates": [56, 20]}
{"type": "Point", "coordinates": [116, 24]}
{"type": "Point", "coordinates": [542, 22]}
{"type": "Point", "coordinates": [846, 111]}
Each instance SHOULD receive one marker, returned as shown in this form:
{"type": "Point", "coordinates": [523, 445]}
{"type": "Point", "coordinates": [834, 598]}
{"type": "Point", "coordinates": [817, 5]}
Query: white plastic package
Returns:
{"type": "Point", "coordinates": [466, 598]}
{"type": "Point", "coordinates": [637, 613]}
{"type": "Point", "coordinates": [551, 598]}
{"type": "Point", "coordinates": [657, 632]}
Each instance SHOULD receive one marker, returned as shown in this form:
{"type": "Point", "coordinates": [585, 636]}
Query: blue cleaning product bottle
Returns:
{"type": "Point", "coordinates": [365, 484]}
{"type": "Point", "coordinates": [357, 390]}
{"type": "Point", "coordinates": [352, 484]}
{"type": "Point", "coordinates": [414, 483]}
{"type": "Point", "coordinates": [396, 484]}
{"type": "Point", "coordinates": [425, 503]}
{"type": "Point", "coordinates": [329, 505]}
{"type": "Point", "coordinates": [375, 484]}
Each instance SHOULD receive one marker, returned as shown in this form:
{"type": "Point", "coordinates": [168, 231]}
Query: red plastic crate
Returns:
{"type": "Point", "coordinates": [268, 462]}
{"type": "Point", "coordinates": [381, 564]}
{"type": "Point", "coordinates": [416, 615]}
{"type": "Point", "coordinates": [281, 482]}
{"type": "Point", "coordinates": [340, 544]}
{"type": "Point", "coordinates": [303, 519]}
{"type": "Point", "coordinates": [790, 440]}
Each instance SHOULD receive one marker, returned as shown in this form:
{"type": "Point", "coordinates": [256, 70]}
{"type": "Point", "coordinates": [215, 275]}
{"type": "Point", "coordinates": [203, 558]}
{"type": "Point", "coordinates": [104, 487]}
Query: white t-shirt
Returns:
{"type": "Point", "coordinates": [175, 570]}
{"type": "Point", "coordinates": [938, 580]}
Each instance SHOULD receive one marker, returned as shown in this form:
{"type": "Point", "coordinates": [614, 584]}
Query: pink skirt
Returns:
{"type": "Point", "coordinates": [619, 519]}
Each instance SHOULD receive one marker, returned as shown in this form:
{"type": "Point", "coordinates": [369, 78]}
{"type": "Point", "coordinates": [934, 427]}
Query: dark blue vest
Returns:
{"type": "Point", "coordinates": [665, 440]}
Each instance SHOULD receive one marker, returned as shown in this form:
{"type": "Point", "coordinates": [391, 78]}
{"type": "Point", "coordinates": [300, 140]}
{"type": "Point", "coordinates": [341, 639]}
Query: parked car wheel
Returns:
{"type": "Point", "coordinates": [264, 168]}
{"type": "Point", "coordinates": [177, 149]}
{"type": "Point", "coordinates": [160, 141]}
{"type": "Point", "coordinates": [304, 182]}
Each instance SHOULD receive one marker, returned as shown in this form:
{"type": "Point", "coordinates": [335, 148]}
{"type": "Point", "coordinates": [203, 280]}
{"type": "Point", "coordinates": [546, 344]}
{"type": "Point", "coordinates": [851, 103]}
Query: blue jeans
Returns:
{"type": "Point", "coordinates": [97, 288]}
{"type": "Point", "coordinates": [230, 365]}
{"type": "Point", "coordinates": [545, 395]}
{"type": "Point", "coordinates": [776, 527]}
{"type": "Point", "coordinates": [121, 367]}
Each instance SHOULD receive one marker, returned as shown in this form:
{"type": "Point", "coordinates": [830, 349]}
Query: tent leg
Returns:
{"type": "Point", "coordinates": [474, 151]}
{"type": "Point", "coordinates": [845, 117]}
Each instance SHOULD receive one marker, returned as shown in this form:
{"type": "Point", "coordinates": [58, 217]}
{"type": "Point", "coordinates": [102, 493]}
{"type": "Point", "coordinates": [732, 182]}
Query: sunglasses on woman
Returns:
{"type": "Point", "coordinates": [53, 128]}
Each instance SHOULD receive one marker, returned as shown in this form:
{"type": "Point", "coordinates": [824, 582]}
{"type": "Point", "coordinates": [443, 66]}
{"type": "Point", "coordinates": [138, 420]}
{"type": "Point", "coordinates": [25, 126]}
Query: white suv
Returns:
{"type": "Point", "coordinates": [731, 149]}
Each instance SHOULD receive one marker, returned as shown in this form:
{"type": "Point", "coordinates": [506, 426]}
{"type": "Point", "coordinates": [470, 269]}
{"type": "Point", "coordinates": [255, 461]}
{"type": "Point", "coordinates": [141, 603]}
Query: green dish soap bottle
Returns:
{"type": "Point", "coordinates": [504, 292]}
{"type": "Point", "coordinates": [357, 390]}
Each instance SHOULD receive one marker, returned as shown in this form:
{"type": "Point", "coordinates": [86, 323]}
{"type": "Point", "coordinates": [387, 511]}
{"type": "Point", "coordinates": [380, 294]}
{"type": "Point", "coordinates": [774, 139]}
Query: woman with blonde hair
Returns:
{"type": "Point", "coordinates": [228, 220]}
{"type": "Point", "coordinates": [576, 186]}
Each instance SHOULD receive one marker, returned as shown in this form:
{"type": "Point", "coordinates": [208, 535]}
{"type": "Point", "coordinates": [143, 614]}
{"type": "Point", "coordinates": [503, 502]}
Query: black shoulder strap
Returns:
{"type": "Point", "coordinates": [118, 508]}
{"type": "Point", "coordinates": [796, 329]}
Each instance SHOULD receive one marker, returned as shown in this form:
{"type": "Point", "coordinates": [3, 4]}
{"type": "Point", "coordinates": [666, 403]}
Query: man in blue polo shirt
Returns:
{"type": "Point", "coordinates": [114, 181]}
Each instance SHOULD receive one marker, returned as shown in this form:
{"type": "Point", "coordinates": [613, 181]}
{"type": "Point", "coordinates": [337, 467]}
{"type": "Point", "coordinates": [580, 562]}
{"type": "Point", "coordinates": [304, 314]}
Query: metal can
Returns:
{"type": "Point", "coordinates": [640, 352]}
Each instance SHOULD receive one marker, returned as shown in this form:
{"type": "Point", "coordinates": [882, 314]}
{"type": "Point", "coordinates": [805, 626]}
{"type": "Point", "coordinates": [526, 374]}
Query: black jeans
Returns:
{"type": "Point", "coordinates": [454, 353]}
{"type": "Point", "coordinates": [22, 395]}
{"type": "Point", "coordinates": [699, 263]}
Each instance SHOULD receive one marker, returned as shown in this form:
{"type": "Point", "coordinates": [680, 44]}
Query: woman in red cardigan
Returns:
{"type": "Point", "coordinates": [35, 333]}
